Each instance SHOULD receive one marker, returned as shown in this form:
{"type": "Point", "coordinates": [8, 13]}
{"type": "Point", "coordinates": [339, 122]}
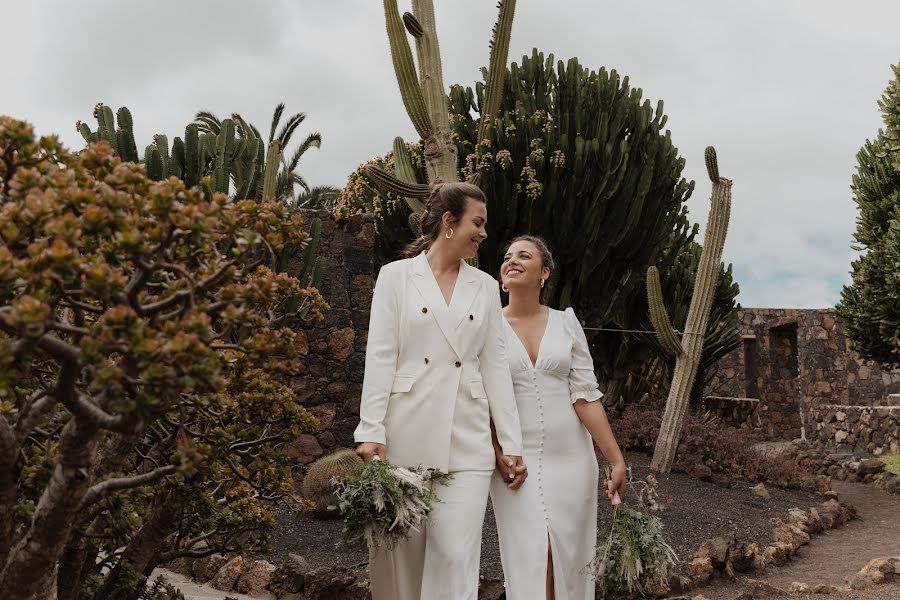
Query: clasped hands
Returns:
{"type": "Point", "coordinates": [511, 467]}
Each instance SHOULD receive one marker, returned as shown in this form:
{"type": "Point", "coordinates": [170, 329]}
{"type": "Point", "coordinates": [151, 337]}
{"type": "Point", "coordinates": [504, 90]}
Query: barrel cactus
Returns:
{"type": "Point", "coordinates": [319, 483]}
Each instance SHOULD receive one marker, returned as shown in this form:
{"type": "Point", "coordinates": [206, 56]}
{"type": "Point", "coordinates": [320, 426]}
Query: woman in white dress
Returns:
{"type": "Point", "coordinates": [548, 527]}
{"type": "Point", "coordinates": [436, 377]}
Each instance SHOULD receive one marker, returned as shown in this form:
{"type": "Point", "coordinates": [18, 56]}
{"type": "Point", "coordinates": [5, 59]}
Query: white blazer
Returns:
{"type": "Point", "coordinates": [435, 374]}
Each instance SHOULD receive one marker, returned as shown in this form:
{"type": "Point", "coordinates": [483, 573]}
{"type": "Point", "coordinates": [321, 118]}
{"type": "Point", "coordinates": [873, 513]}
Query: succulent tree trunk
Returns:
{"type": "Point", "coordinates": [689, 348]}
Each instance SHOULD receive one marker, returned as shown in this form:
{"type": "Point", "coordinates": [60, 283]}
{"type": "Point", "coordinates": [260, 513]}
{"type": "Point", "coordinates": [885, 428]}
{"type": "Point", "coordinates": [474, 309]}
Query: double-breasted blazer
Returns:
{"type": "Point", "coordinates": [436, 375]}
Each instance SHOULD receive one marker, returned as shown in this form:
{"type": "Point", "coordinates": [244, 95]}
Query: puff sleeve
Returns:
{"type": "Point", "coordinates": [582, 380]}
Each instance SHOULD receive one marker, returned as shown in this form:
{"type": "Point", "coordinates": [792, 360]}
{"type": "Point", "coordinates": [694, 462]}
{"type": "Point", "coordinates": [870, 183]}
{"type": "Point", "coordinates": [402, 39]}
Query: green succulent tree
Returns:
{"type": "Point", "coordinates": [870, 305]}
{"type": "Point", "coordinates": [147, 348]}
{"type": "Point", "coordinates": [689, 348]}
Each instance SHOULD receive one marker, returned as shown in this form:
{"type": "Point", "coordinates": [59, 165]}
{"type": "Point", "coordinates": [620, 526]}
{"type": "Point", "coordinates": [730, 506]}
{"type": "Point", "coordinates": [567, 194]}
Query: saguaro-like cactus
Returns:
{"type": "Point", "coordinates": [689, 348]}
{"type": "Point", "coordinates": [425, 98]}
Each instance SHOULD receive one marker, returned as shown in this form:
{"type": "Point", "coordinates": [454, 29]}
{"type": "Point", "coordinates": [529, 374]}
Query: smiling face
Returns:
{"type": "Point", "coordinates": [523, 268]}
{"type": "Point", "coordinates": [468, 230]}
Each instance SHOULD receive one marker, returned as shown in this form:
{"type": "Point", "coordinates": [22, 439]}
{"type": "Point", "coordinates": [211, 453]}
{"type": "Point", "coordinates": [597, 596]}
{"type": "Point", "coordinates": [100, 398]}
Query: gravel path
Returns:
{"type": "Point", "coordinates": [699, 510]}
{"type": "Point", "coordinates": [839, 553]}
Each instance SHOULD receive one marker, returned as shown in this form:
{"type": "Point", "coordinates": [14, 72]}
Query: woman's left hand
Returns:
{"type": "Point", "coordinates": [617, 482]}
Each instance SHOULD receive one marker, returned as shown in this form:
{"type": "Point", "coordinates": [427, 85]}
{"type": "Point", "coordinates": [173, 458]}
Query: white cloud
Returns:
{"type": "Point", "coordinates": [785, 90]}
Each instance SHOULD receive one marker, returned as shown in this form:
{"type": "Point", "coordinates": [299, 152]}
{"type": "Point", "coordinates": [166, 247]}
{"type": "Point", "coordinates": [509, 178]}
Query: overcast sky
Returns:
{"type": "Point", "coordinates": [785, 89]}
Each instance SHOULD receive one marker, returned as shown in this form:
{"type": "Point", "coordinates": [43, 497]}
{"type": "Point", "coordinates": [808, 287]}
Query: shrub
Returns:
{"type": "Point", "coordinates": [724, 449]}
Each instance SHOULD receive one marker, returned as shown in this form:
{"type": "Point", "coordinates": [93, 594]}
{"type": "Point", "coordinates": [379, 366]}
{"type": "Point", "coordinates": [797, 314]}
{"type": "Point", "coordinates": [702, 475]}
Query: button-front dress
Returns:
{"type": "Point", "coordinates": [557, 504]}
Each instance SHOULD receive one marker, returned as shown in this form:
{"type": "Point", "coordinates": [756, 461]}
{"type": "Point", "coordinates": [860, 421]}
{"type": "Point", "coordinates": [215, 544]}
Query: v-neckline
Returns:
{"type": "Point", "coordinates": [447, 304]}
{"type": "Point", "coordinates": [540, 347]}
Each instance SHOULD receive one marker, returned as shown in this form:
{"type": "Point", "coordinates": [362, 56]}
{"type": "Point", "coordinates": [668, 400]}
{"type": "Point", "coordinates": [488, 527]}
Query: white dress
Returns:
{"type": "Point", "coordinates": [558, 501]}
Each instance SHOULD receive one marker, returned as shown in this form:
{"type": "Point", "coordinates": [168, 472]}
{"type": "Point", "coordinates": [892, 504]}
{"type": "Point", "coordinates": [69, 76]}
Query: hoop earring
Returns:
{"type": "Point", "coordinates": [504, 288]}
{"type": "Point", "coordinates": [449, 233]}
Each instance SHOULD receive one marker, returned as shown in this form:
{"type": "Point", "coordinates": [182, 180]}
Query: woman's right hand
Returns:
{"type": "Point", "coordinates": [512, 469]}
{"type": "Point", "coordinates": [369, 450]}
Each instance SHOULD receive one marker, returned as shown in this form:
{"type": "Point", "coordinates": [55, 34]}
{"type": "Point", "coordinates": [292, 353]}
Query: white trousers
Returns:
{"type": "Point", "coordinates": [442, 560]}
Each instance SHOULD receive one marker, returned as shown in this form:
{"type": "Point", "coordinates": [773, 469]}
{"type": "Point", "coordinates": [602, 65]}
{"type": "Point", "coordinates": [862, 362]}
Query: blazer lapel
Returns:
{"type": "Point", "coordinates": [464, 294]}
{"type": "Point", "coordinates": [423, 279]}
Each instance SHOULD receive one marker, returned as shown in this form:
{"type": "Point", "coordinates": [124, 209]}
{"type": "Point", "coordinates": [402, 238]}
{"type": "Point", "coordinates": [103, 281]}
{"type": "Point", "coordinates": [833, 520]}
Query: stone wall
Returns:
{"type": "Point", "coordinates": [331, 382]}
{"type": "Point", "coordinates": [857, 429]}
{"type": "Point", "coordinates": [790, 361]}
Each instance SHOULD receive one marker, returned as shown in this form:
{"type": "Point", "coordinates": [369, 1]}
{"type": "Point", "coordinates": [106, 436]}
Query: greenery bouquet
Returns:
{"type": "Point", "coordinates": [634, 555]}
{"type": "Point", "coordinates": [382, 503]}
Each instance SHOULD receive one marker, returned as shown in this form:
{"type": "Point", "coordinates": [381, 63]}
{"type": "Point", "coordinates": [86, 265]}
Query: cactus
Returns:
{"type": "Point", "coordinates": [318, 485]}
{"type": "Point", "coordinates": [689, 349]}
{"type": "Point", "coordinates": [425, 98]}
{"type": "Point", "coordinates": [120, 137]}
{"type": "Point", "coordinates": [213, 153]}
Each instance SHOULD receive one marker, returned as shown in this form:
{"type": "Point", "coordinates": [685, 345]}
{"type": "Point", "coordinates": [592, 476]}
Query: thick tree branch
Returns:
{"type": "Point", "coordinates": [99, 490]}
{"type": "Point", "coordinates": [79, 405]}
{"type": "Point", "coordinates": [181, 296]}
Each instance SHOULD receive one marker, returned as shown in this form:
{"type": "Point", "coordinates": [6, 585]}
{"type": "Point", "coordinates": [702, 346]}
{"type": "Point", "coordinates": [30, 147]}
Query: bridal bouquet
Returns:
{"type": "Point", "coordinates": [382, 503]}
{"type": "Point", "coordinates": [634, 556]}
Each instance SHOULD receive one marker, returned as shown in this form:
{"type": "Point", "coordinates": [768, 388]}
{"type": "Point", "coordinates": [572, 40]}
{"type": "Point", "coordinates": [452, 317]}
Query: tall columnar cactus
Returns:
{"type": "Point", "coordinates": [689, 348]}
{"type": "Point", "coordinates": [226, 151]}
{"type": "Point", "coordinates": [425, 97]}
{"type": "Point", "coordinates": [120, 137]}
{"type": "Point", "coordinates": [223, 155]}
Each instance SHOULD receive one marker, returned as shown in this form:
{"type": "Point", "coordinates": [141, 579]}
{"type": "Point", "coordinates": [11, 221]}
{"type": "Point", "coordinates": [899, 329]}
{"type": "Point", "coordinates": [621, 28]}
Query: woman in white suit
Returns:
{"type": "Point", "coordinates": [436, 375]}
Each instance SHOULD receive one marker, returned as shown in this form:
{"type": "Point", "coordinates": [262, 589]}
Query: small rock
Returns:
{"type": "Point", "coordinates": [760, 490]}
{"type": "Point", "coordinates": [700, 471]}
{"type": "Point", "coordinates": [700, 570]}
{"type": "Point", "coordinates": [716, 549]}
{"type": "Point", "coordinates": [791, 535]}
{"type": "Point", "coordinates": [870, 466]}
{"type": "Point", "coordinates": [824, 588]}
{"type": "Point", "coordinates": [290, 577]}
{"type": "Point", "coordinates": [858, 582]}
{"type": "Point", "coordinates": [328, 582]}
{"type": "Point", "coordinates": [777, 553]}
{"type": "Point", "coordinates": [745, 557]}
{"type": "Point", "coordinates": [798, 587]}
{"type": "Point", "coordinates": [182, 566]}
{"type": "Point", "coordinates": [206, 568]}
{"type": "Point", "coordinates": [228, 575]}
{"type": "Point", "coordinates": [255, 578]}
{"type": "Point", "coordinates": [878, 570]}
{"type": "Point", "coordinates": [679, 583]}
{"type": "Point", "coordinates": [490, 589]}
